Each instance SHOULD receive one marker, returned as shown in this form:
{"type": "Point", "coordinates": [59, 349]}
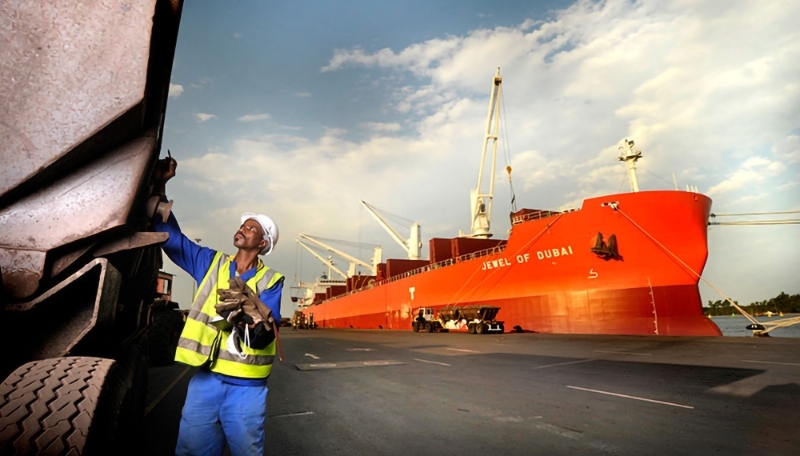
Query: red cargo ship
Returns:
{"type": "Point", "coordinates": [621, 264]}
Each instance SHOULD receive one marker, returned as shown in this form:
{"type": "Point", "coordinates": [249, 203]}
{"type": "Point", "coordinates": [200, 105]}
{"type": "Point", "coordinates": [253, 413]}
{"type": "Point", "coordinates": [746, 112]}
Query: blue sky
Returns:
{"type": "Point", "coordinates": [299, 109]}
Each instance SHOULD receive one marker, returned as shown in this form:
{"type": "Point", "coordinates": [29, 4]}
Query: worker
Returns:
{"type": "Point", "coordinates": [227, 397]}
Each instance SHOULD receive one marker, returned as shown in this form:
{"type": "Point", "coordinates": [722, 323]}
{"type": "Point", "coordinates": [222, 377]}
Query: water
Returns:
{"type": "Point", "coordinates": [735, 326]}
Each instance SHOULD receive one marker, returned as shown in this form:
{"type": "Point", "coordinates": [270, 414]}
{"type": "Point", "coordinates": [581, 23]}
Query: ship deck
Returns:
{"type": "Point", "coordinates": [380, 392]}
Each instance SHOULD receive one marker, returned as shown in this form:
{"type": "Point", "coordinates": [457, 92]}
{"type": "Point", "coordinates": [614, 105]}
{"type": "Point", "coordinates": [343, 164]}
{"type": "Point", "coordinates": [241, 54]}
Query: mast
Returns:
{"type": "Point", "coordinates": [481, 203]}
{"type": "Point", "coordinates": [630, 155]}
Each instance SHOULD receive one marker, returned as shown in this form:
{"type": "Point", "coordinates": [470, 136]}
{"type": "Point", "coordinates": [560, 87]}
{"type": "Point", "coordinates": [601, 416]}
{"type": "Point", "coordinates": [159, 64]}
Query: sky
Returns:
{"type": "Point", "coordinates": [300, 109]}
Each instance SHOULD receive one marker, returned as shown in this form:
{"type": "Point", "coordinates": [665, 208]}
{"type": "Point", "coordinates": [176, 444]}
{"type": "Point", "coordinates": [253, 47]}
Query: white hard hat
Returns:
{"type": "Point", "coordinates": [270, 229]}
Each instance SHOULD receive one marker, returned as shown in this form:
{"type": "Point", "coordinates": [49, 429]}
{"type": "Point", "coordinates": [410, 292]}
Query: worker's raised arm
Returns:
{"type": "Point", "coordinates": [189, 256]}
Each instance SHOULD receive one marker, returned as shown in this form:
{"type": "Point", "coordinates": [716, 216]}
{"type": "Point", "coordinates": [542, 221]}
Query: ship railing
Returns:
{"type": "Point", "coordinates": [536, 215]}
{"type": "Point", "coordinates": [437, 265]}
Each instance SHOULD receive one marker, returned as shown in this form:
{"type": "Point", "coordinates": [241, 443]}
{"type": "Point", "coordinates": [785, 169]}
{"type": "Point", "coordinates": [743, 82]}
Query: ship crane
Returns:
{"type": "Point", "coordinates": [326, 261]}
{"type": "Point", "coordinates": [480, 202]}
{"type": "Point", "coordinates": [351, 271]}
{"type": "Point", "coordinates": [412, 245]}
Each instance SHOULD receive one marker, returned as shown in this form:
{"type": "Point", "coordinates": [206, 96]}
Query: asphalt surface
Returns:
{"type": "Point", "coordinates": [401, 393]}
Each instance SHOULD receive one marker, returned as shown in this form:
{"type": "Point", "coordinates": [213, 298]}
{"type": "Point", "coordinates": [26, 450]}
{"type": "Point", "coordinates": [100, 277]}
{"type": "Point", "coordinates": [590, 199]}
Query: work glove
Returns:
{"type": "Point", "coordinates": [240, 301]}
{"type": "Point", "coordinates": [230, 305]}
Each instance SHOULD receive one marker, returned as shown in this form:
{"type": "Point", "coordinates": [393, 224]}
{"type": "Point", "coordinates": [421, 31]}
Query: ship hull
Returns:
{"type": "Point", "coordinates": [547, 278]}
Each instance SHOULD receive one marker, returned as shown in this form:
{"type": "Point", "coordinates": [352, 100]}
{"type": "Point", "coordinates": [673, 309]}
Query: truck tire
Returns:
{"type": "Point", "coordinates": [415, 326]}
{"type": "Point", "coordinates": [471, 328]}
{"type": "Point", "coordinates": [75, 406]}
{"type": "Point", "coordinates": [429, 327]}
{"type": "Point", "coordinates": [480, 328]}
{"type": "Point", "coordinates": [164, 332]}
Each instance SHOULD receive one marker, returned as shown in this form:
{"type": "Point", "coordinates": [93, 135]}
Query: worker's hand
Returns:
{"type": "Point", "coordinates": [165, 170]}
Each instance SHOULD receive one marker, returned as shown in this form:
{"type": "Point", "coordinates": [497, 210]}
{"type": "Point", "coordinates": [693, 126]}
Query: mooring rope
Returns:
{"type": "Point", "coordinates": [752, 319]}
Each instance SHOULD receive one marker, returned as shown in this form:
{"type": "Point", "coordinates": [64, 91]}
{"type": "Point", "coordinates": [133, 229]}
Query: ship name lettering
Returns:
{"type": "Point", "coordinates": [495, 264]}
{"type": "Point", "coordinates": [504, 262]}
{"type": "Point", "coordinates": [554, 253]}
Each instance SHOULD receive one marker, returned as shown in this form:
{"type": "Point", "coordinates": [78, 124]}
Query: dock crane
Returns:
{"type": "Point", "coordinates": [351, 271]}
{"type": "Point", "coordinates": [412, 245]}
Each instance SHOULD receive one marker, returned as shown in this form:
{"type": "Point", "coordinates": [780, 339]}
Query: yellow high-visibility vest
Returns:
{"type": "Point", "coordinates": [201, 341]}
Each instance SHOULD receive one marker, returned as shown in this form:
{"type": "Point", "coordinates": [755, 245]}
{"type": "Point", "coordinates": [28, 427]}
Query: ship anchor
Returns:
{"type": "Point", "coordinates": [606, 251]}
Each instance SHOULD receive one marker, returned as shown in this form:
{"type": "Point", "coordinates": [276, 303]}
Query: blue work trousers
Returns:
{"type": "Point", "coordinates": [216, 412]}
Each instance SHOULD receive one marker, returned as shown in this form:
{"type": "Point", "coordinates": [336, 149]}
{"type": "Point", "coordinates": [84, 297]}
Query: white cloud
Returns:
{"type": "Point", "coordinates": [788, 149]}
{"type": "Point", "coordinates": [255, 117]}
{"type": "Point", "coordinates": [303, 94]}
{"type": "Point", "coordinates": [754, 170]}
{"type": "Point", "coordinates": [199, 84]}
{"type": "Point", "coordinates": [203, 117]}
{"type": "Point", "coordinates": [381, 126]}
{"type": "Point", "coordinates": [175, 90]}
{"type": "Point", "coordinates": [708, 90]}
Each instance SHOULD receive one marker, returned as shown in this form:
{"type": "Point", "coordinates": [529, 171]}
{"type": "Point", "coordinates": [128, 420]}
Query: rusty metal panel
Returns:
{"type": "Point", "coordinates": [134, 241]}
{"type": "Point", "coordinates": [67, 69]}
{"type": "Point", "coordinates": [96, 198]}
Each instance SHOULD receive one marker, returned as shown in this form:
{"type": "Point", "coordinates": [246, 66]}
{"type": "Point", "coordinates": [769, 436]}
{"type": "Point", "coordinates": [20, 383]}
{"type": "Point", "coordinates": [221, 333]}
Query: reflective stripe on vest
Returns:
{"type": "Point", "coordinates": [201, 341]}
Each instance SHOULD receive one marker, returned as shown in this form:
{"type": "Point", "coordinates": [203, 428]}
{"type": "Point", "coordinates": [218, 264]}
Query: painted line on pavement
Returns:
{"type": "Point", "coordinates": [769, 362]}
{"type": "Point", "coordinates": [432, 362]}
{"type": "Point", "coordinates": [310, 355]}
{"type": "Point", "coordinates": [564, 364]}
{"type": "Point", "coordinates": [291, 414]}
{"type": "Point", "coordinates": [347, 364]}
{"type": "Point", "coordinates": [164, 393]}
{"type": "Point", "coordinates": [462, 350]}
{"type": "Point", "coordinates": [360, 349]}
{"type": "Point", "coordinates": [632, 397]}
{"type": "Point", "coordinates": [623, 353]}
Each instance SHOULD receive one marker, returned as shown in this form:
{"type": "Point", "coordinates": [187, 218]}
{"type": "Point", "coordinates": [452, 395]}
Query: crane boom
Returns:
{"type": "Point", "coordinates": [481, 203]}
{"type": "Point", "coordinates": [353, 260]}
{"type": "Point", "coordinates": [324, 261]}
{"type": "Point", "coordinates": [412, 245]}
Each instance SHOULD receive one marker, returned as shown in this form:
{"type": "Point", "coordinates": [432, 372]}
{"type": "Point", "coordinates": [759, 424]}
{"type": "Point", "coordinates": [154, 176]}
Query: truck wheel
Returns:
{"type": "Point", "coordinates": [429, 327]}
{"type": "Point", "coordinates": [60, 406]}
{"type": "Point", "coordinates": [164, 332]}
{"type": "Point", "coordinates": [471, 328]}
{"type": "Point", "coordinates": [480, 328]}
{"type": "Point", "coordinates": [415, 326]}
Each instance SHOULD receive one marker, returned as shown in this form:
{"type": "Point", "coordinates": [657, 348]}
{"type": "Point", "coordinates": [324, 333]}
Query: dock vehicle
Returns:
{"type": "Point", "coordinates": [84, 306]}
{"type": "Point", "coordinates": [478, 319]}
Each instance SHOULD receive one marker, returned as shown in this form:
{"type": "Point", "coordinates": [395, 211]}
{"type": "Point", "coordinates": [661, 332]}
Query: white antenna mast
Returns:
{"type": "Point", "coordinates": [481, 203]}
{"type": "Point", "coordinates": [629, 155]}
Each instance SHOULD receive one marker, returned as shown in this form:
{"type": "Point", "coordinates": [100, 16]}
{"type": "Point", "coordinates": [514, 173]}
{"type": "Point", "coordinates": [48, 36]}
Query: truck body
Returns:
{"type": "Point", "coordinates": [476, 319]}
{"type": "Point", "coordinates": [83, 95]}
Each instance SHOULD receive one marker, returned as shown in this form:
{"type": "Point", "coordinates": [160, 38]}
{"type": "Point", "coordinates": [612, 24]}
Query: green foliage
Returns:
{"type": "Point", "coordinates": [782, 303]}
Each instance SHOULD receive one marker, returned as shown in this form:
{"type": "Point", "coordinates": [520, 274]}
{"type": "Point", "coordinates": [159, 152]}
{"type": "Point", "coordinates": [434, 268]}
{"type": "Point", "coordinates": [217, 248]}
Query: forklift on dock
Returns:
{"type": "Point", "coordinates": [479, 319]}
